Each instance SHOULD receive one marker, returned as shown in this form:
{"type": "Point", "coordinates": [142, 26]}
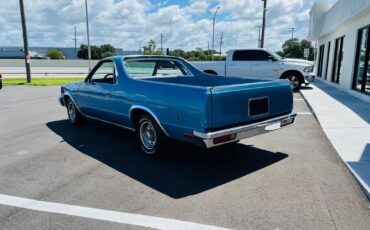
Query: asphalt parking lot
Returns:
{"type": "Point", "coordinates": [288, 179]}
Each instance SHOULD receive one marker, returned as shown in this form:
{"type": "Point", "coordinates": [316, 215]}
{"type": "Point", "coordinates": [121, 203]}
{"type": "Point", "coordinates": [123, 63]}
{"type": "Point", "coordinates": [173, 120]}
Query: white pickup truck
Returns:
{"type": "Point", "coordinates": [261, 63]}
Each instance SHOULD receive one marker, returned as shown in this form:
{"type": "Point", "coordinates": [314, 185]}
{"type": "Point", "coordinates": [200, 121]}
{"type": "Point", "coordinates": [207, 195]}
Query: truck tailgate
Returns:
{"type": "Point", "coordinates": [242, 103]}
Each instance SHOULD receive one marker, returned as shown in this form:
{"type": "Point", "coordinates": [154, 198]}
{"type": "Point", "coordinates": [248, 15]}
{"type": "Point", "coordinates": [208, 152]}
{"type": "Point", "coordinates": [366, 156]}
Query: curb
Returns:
{"type": "Point", "coordinates": [354, 174]}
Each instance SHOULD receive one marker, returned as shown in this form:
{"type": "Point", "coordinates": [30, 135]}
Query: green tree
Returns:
{"type": "Point", "coordinates": [293, 48]}
{"type": "Point", "coordinates": [107, 54]}
{"type": "Point", "coordinates": [305, 44]}
{"type": "Point", "coordinates": [55, 54]}
{"type": "Point", "coordinates": [96, 51]}
{"type": "Point", "coordinates": [150, 48]}
{"type": "Point", "coordinates": [107, 48]}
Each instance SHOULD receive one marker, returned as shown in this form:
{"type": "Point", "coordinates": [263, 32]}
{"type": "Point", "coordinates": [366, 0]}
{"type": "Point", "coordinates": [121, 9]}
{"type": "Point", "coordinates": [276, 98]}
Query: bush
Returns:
{"type": "Point", "coordinates": [55, 54]}
{"type": "Point", "coordinates": [107, 54]}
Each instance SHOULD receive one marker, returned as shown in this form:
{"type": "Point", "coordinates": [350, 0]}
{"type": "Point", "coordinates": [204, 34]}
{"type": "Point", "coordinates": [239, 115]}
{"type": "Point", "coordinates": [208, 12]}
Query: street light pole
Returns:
{"type": "Point", "coordinates": [88, 35]}
{"type": "Point", "coordinates": [213, 31]}
{"type": "Point", "coordinates": [263, 23]}
{"type": "Point", "coordinates": [25, 42]}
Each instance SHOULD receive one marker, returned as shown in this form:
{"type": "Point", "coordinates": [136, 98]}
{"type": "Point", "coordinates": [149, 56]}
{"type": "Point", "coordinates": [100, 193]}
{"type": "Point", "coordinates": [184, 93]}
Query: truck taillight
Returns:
{"type": "Point", "coordinates": [225, 138]}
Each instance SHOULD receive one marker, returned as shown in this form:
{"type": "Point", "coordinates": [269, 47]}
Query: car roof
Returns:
{"type": "Point", "coordinates": [127, 57]}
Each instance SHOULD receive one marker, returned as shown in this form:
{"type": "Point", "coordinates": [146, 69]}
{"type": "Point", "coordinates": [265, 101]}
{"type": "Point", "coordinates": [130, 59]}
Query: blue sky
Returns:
{"type": "Point", "coordinates": [127, 23]}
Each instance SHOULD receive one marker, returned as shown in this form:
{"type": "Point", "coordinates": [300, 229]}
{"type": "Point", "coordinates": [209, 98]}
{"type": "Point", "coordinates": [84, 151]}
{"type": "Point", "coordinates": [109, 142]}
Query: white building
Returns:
{"type": "Point", "coordinates": [342, 33]}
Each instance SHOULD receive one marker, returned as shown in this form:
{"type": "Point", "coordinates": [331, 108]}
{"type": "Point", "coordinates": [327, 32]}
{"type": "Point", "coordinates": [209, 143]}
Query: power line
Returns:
{"type": "Point", "coordinates": [88, 35]}
{"type": "Point", "coordinates": [259, 36]}
{"type": "Point", "coordinates": [75, 39]}
{"type": "Point", "coordinates": [221, 41]}
{"type": "Point", "coordinates": [25, 42]}
{"type": "Point", "coordinates": [161, 43]}
{"type": "Point", "coordinates": [292, 29]}
{"type": "Point", "coordinates": [263, 23]}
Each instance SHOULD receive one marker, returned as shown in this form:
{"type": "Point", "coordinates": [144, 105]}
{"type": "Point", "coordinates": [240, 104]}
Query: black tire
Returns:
{"type": "Point", "coordinates": [74, 116]}
{"type": "Point", "coordinates": [151, 137]}
{"type": "Point", "coordinates": [295, 80]}
{"type": "Point", "coordinates": [1, 84]}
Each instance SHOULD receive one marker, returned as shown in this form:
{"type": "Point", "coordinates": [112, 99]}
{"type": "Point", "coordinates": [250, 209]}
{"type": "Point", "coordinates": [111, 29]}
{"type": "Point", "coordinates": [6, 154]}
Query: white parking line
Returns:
{"type": "Point", "coordinates": [304, 113]}
{"type": "Point", "coordinates": [100, 214]}
{"type": "Point", "coordinates": [298, 99]}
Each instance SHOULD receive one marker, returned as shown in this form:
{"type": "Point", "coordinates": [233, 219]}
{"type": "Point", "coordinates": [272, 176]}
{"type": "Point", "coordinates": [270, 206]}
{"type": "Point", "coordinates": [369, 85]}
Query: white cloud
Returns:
{"type": "Point", "coordinates": [125, 23]}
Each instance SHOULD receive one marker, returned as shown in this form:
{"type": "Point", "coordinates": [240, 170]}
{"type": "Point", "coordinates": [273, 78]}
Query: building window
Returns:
{"type": "Point", "coordinates": [361, 79]}
{"type": "Point", "coordinates": [327, 60]}
{"type": "Point", "coordinates": [338, 58]}
{"type": "Point", "coordinates": [321, 60]}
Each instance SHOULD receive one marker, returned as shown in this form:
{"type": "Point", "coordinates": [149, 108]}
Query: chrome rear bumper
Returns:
{"type": "Point", "coordinates": [241, 132]}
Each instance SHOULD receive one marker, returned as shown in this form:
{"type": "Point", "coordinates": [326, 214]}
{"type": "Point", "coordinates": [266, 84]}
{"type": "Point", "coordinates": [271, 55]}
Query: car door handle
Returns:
{"type": "Point", "coordinates": [108, 93]}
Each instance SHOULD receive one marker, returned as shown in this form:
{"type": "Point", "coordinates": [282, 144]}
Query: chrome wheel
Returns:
{"type": "Point", "coordinates": [148, 135]}
{"type": "Point", "coordinates": [294, 81]}
{"type": "Point", "coordinates": [71, 111]}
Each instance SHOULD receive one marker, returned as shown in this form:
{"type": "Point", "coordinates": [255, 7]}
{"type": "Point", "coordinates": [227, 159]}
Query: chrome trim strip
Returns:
{"type": "Point", "coordinates": [244, 131]}
{"type": "Point", "coordinates": [125, 127]}
{"type": "Point", "coordinates": [151, 113]}
{"type": "Point", "coordinates": [111, 123]}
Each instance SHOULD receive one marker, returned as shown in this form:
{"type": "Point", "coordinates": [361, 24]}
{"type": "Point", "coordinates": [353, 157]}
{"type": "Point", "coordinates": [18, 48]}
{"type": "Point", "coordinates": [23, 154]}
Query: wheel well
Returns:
{"type": "Point", "coordinates": [295, 72]}
{"type": "Point", "coordinates": [65, 98]}
{"type": "Point", "coordinates": [136, 114]}
{"type": "Point", "coordinates": [211, 72]}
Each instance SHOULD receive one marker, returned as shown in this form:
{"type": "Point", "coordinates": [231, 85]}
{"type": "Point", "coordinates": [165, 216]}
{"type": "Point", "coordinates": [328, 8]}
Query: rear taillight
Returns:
{"type": "Point", "coordinates": [225, 138]}
{"type": "Point", "coordinates": [287, 122]}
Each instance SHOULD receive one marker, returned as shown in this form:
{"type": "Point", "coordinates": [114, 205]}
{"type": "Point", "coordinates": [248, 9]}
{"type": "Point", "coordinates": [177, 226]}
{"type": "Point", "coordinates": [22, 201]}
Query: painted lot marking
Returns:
{"type": "Point", "coordinates": [100, 214]}
{"type": "Point", "coordinates": [298, 99]}
{"type": "Point", "coordinates": [304, 113]}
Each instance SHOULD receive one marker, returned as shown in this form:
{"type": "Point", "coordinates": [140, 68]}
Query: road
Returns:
{"type": "Point", "coordinates": [58, 71]}
{"type": "Point", "coordinates": [288, 179]}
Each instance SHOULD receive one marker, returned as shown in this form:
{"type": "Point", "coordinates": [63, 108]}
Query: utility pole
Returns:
{"type": "Point", "coordinates": [292, 29]}
{"type": "Point", "coordinates": [221, 42]}
{"type": "Point", "coordinates": [88, 35]}
{"type": "Point", "coordinates": [75, 39]}
{"type": "Point", "coordinates": [213, 31]}
{"type": "Point", "coordinates": [140, 47]}
{"type": "Point", "coordinates": [263, 23]}
{"type": "Point", "coordinates": [25, 42]}
{"type": "Point", "coordinates": [161, 43]}
{"type": "Point", "coordinates": [259, 36]}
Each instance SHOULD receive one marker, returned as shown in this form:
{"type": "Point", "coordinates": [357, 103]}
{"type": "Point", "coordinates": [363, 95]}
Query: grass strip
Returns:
{"type": "Point", "coordinates": [40, 81]}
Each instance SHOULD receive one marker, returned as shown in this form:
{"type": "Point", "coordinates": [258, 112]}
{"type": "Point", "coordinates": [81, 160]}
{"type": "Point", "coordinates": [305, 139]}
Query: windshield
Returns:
{"type": "Point", "coordinates": [276, 55]}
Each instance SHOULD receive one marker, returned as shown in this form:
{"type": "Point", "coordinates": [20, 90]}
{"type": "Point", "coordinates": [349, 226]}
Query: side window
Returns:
{"type": "Point", "coordinates": [140, 68]}
{"type": "Point", "coordinates": [260, 55]}
{"type": "Point", "coordinates": [242, 55]}
{"type": "Point", "coordinates": [104, 74]}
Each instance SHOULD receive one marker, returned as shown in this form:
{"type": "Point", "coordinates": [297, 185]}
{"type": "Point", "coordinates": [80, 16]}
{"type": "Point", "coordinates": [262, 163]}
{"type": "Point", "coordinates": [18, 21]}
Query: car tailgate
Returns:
{"type": "Point", "coordinates": [235, 104]}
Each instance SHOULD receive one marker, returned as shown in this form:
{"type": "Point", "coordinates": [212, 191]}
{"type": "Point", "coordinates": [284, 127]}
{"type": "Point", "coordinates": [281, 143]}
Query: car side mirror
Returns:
{"type": "Point", "coordinates": [271, 58]}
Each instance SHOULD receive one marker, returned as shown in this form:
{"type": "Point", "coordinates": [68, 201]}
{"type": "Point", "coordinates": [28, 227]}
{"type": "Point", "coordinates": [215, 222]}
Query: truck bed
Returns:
{"type": "Point", "coordinates": [237, 100]}
{"type": "Point", "coordinates": [205, 81]}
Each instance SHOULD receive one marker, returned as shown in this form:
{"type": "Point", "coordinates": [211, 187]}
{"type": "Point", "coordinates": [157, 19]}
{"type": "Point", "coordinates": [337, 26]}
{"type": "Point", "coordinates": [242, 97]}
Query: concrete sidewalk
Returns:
{"type": "Point", "coordinates": [346, 121]}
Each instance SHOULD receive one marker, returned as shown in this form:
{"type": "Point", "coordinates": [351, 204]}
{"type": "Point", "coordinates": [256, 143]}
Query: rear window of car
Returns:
{"type": "Point", "coordinates": [149, 68]}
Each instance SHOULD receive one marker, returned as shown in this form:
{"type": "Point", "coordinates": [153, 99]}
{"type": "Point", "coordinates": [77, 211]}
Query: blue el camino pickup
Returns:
{"type": "Point", "coordinates": [162, 98]}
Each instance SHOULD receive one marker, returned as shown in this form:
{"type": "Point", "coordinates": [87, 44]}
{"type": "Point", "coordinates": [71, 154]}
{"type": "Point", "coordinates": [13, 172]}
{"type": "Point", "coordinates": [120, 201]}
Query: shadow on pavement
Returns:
{"type": "Point", "coordinates": [185, 170]}
{"type": "Point", "coordinates": [306, 88]}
